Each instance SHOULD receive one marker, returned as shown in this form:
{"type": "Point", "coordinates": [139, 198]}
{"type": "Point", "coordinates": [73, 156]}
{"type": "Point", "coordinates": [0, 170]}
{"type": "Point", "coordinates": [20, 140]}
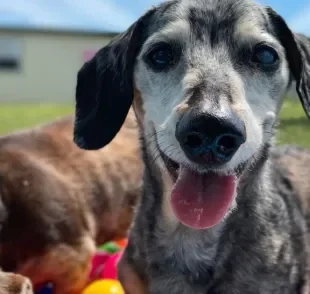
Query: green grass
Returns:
{"type": "Point", "coordinates": [15, 116]}
{"type": "Point", "coordinates": [294, 126]}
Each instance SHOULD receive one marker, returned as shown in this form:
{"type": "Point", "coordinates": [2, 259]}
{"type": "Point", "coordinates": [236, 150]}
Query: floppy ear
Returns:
{"type": "Point", "coordinates": [298, 56]}
{"type": "Point", "coordinates": [104, 90]}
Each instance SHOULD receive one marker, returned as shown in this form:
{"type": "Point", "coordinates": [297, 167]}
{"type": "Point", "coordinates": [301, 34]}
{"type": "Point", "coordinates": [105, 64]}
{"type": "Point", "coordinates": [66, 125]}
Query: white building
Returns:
{"type": "Point", "coordinates": [44, 43]}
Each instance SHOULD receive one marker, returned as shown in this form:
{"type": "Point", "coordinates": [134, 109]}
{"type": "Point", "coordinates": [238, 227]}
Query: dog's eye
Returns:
{"type": "Point", "coordinates": [265, 55]}
{"type": "Point", "coordinates": [161, 57]}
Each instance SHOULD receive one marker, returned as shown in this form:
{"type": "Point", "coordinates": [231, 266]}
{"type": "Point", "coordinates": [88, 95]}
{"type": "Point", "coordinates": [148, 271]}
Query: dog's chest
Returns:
{"type": "Point", "coordinates": [183, 259]}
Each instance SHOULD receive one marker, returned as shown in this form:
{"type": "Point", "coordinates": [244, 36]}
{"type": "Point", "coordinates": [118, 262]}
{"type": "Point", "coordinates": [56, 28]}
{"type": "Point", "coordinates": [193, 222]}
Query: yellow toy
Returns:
{"type": "Point", "coordinates": [104, 287]}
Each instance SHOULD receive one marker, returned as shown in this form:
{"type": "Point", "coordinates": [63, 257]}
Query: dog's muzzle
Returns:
{"type": "Point", "coordinates": [210, 139]}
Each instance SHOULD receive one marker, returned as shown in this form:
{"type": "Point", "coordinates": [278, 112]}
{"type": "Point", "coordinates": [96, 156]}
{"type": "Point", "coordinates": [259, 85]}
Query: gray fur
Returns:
{"type": "Point", "coordinates": [261, 246]}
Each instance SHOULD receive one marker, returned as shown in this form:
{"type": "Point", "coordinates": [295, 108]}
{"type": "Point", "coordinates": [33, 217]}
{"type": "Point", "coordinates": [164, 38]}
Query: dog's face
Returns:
{"type": "Point", "coordinates": [207, 78]}
{"type": "Point", "coordinates": [216, 64]}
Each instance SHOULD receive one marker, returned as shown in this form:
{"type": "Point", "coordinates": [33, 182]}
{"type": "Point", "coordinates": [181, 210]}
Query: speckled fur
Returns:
{"type": "Point", "coordinates": [261, 246]}
{"type": "Point", "coordinates": [293, 163]}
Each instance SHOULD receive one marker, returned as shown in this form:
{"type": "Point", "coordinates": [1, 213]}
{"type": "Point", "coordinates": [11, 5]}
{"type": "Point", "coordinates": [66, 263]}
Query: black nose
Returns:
{"type": "Point", "coordinates": [209, 139]}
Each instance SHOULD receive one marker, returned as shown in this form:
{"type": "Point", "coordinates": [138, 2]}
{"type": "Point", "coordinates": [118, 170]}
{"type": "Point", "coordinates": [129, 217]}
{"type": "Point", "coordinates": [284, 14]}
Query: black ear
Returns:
{"type": "Point", "coordinates": [104, 90]}
{"type": "Point", "coordinates": [298, 55]}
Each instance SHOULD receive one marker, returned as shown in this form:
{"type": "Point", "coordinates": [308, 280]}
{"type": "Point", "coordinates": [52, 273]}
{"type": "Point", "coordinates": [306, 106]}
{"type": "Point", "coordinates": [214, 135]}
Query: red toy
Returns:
{"type": "Point", "coordinates": [98, 263]}
{"type": "Point", "coordinates": [110, 267]}
{"type": "Point", "coordinates": [104, 263]}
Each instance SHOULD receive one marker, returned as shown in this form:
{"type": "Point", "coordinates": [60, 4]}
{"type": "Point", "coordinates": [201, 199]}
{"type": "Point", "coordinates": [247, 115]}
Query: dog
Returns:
{"type": "Point", "coordinates": [206, 79]}
{"type": "Point", "coordinates": [58, 202]}
{"type": "Point", "coordinates": [293, 164]}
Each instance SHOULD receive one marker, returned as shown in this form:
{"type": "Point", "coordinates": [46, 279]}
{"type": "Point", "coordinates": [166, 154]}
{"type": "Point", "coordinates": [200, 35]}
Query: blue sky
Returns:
{"type": "Point", "coordinates": [114, 15]}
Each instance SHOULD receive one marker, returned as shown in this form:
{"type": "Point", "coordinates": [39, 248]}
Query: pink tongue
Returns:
{"type": "Point", "coordinates": [201, 201]}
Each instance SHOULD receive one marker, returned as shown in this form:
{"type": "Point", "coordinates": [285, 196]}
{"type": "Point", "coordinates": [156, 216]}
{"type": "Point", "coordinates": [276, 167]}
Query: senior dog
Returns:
{"type": "Point", "coordinates": [206, 79]}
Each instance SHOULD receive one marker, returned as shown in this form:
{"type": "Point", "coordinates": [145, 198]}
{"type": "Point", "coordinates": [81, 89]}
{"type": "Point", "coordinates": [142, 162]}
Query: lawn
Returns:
{"type": "Point", "coordinates": [294, 126]}
{"type": "Point", "coordinates": [18, 116]}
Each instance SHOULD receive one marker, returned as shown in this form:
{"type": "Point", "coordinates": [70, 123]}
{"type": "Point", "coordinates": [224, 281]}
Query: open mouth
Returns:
{"type": "Point", "coordinates": [199, 200]}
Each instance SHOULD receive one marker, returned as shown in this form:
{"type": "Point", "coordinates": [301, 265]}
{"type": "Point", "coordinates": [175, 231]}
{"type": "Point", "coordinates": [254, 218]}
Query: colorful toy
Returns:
{"type": "Point", "coordinates": [109, 270]}
{"type": "Point", "coordinates": [104, 287]}
{"type": "Point", "coordinates": [103, 274]}
{"type": "Point", "coordinates": [122, 243]}
{"type": "Point", "coordinates": [114, 246]}
{"type": "Point", "coordinates": [104, 266]}
{"type": "Point", "coordinates": [110, 247]}
{"type": "Point", "coordinates": [98, 263]}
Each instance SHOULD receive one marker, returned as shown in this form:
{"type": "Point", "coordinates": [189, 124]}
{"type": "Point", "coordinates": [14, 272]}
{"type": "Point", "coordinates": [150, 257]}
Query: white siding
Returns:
{"type": "Point", "coordinates": [49, 64]}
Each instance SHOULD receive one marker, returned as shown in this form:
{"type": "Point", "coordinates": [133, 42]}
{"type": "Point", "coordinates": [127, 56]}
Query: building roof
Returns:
{"type": "Point", "coordinates": [89, 16]}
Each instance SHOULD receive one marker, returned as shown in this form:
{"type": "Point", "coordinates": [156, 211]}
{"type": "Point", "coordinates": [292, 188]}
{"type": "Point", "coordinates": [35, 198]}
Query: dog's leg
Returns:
{"type": "Point", "coordinates": [129, 279]}
{"type": "Point", "coordinates": [66, 267]}
{"type": "Point", "coordinates": [14, 284]}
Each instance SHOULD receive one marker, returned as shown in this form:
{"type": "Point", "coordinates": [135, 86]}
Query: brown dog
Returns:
{"type": "Point", "coordinates": [57, 201]}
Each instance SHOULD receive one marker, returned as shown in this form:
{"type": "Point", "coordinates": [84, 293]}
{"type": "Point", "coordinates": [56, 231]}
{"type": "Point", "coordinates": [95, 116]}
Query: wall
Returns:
{"type": "Point", "coordinates": [49, 64]}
